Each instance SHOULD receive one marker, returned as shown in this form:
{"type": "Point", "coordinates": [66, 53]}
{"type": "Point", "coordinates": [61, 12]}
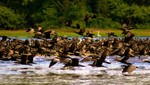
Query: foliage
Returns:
{"type": "Point", "coordinates": [55, 13]}
{"type": "Point", "coordinates": [103, 23]}
{"type": "Point", "coordinates": [8, 19]}
{"type": "Point", "coordinates": [50, 18]}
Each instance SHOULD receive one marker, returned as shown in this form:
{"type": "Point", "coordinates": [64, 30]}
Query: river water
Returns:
{"type": "Point", "coordinates": [39, 73]}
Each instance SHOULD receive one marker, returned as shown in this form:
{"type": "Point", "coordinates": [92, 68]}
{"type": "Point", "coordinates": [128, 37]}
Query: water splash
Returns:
{"type": "Point", "coordinates": [41, 66]}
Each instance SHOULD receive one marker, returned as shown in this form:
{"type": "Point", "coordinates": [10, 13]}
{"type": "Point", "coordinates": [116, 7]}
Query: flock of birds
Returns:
{"type": "Point", "coordinates": [63, 48]}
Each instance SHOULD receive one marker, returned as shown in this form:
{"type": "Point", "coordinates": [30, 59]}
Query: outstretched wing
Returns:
{"type": "Point", "coordinates": [53, 62]}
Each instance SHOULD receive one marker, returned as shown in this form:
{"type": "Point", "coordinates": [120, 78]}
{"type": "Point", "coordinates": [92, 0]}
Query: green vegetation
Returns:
{"type": "Point", "coordinates": [14, 33]}
{"type": "Point", "coordinates": [71, 33]}
{"type": "Point", "coordinates": [21, 14]}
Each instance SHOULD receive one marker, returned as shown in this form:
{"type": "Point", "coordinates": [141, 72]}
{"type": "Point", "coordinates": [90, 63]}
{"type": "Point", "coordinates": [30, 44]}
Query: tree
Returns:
{"type": "Point", "coordinates": [9, 19]}
{"type": "Point", "coordinates": [55, 13]}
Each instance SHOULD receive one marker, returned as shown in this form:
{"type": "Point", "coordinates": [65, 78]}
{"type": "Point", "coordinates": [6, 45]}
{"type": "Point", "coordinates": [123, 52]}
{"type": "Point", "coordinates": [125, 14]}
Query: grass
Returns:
{"type": "Point", "coordinates": [71, 32]}
{"type": "Point", "coordinates": [15, 33]}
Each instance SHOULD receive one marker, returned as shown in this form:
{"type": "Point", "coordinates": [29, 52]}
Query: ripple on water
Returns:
{"type": "Point", "coordinates": [41, 67]}
{"type": "Point", "coordinates": [87, 75]}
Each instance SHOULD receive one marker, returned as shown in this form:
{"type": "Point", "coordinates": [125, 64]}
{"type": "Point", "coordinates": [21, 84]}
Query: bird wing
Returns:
{"type": "Point", "coordinates": [53, 62]}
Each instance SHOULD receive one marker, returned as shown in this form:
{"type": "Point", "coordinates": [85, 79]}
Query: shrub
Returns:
{"type": "Point", "coordinates": [9, 19]}
{"type": "Point", "coordinates": [103, 23]}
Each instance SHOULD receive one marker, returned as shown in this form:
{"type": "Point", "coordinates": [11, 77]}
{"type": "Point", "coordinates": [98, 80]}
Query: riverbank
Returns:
{"type": "Point", "coordinates": [71, 32]}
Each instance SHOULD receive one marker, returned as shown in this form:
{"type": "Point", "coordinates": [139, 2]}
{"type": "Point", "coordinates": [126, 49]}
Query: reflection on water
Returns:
{"type": "Point", "coordinates": [12, 73]}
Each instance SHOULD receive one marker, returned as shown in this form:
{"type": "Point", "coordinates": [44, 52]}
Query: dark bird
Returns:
{"type": "Point", "coordinates": [36, 33]}
{"type": "Point", "coordinates": [49, 33]}
{"type": "Point", "coordinates": [73, 62]}
{"type": "Point", "coordinates": [127, 54]}
{"type": "Point", "coordinates": [127, 26]}
{"type": "Point", "coordinates": [73, 46]}
{"type": "Point", "coordinates": [86, 18]}
{"type": "Point", "coordinates": [40, 33]}
{"type": "Point", "coordinates": [111, 34]}
{"type": "Point", "coordinates": [129, 37]}
{"type": "Point", "coordinates": [40, 29]}
{"type": "Point", "coordinates": [81, 31]}
{"type": "Point", "coordinates": [68, 23]}
{"type": "Point", "coordinates": [4, 38]}
{"type": "Point", "coordinates": [89, 34]}
{"type": "Point", "coordinates": [102, 59]}
{"type": "Point", "coordinates": [78, 26]}
{"type": "Point", "coordinates": [27, 58]}
{"type": "Point", "coordinates": [68, 61]}
{"type": "Point", "coordinates": [54, 61]}
{"type": "Point", "coordinates": [124, 31]}
{"type": "Point", "coordinates": [30, 30]}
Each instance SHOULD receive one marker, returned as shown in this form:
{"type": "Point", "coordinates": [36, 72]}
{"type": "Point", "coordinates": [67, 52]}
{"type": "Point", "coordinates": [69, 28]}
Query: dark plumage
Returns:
{"type": "Point", "coordinates": [81, 31]}
{"type": "Point", "coordinates": [111, 34]}
{"type": "Point", "coordinates": [101, 60]}
{"type": "Point", "coordinates": [86, 18]}
{"type": "Point", "coordinates": [30, 58]}
{"type": "Point", "coordinates": [40, 33]}
{"type": "Point", "coordinates": [78, 26]}
{"type": "Point", "coordinates": [128, 34]}
{"type": "Point", "coordinates": [68, 61]}
{"type": "Point", "coordinates": [74, 62]}
{"type": "Point", "coordinates": [128, 53]}
{"type": "Point", "coordinates": [4, 38]}
{"type": "Point", "coordinates": [89, 34]}
{"type": "Point", "coordinates": [30, 30]}
{"type": "Point", "coordinates": [72, 47]}
{"type": "Point", "coordinates": [49, 33]}
{"type": "Point", "coordinates": [53, 62]}
{"type": "Point", "coordinates": [27, 58]}
{"type": "Point", "coordinates": [68, 23]}
{"type": "Point", "coordinates": [127, 26]}
{"type": "Point", "coordinates": [129, 37]}
{"type": "Point", "coordinates": [124, 31]}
